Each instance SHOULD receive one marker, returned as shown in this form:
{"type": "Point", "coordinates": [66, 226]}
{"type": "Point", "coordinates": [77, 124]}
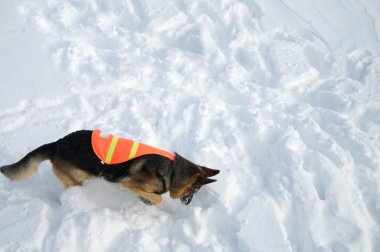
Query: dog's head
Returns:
{"type": "Point", "coordinates": [188, 178]}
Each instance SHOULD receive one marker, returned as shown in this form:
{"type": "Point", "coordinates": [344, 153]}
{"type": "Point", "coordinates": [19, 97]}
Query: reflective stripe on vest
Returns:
{"type": "Point", "coordinates": [133, 150]}
{"type": "Point", "coordinates": [115, 150]}
{"type": "Point", "coordinates": [111, 149]}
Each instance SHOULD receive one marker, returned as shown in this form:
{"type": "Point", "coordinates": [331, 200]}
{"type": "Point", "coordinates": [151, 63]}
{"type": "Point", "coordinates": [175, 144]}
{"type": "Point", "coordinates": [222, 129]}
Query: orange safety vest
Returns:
{"type": "Point", "coordinates": [115, 150]}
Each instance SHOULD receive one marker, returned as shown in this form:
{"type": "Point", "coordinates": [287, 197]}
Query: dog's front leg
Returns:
{"type": "Point", "coordinates": [153, 198]}
{"type": "Point", "coordinates": [147, 196]}
{"type": "Point", "coordinates": [146, 201]}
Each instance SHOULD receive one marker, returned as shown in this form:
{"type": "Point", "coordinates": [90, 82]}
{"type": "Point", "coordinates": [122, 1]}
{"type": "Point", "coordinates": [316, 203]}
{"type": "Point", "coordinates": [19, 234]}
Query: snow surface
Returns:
{"type": "Point", "coordinates": [281, 96]}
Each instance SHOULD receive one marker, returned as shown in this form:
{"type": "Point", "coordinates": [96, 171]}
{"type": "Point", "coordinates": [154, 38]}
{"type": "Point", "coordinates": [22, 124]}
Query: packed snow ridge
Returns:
{"type": "Point", "coordinates": [281, 96]}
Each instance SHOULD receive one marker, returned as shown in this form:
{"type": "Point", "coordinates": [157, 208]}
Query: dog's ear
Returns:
{"type": "Point", "coordinates": [209, 172]}
{"type": "Point", "coordinates": [204, 180]}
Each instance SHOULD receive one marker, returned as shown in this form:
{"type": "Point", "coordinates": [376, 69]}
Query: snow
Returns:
{"type": "Point", "coordinates": [281, 96]}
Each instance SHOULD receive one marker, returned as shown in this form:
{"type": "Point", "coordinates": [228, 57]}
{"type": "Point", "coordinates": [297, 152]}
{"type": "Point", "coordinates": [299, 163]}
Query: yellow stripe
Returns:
{"type": "Point", "coordinates": [134, 149]}
{"type": "Point", "coordinates": [111, 149]}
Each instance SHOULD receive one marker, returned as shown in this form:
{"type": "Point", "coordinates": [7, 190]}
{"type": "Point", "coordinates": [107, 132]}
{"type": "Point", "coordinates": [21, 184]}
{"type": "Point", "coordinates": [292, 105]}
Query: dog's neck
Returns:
{"type": "Point", "coordinates": [169, 182]}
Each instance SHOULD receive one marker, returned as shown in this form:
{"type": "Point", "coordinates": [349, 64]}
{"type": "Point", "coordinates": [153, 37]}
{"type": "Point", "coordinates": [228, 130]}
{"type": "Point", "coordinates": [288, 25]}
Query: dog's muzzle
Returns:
{"type": "Point", "coordinates": [187, 199]}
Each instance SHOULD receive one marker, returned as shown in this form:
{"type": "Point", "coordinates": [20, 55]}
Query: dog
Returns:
{"type": "Point", "coordinates": [147, 171]}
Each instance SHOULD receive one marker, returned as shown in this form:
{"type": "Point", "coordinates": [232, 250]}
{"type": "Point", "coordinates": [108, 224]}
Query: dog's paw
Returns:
{"type": "Point", "coordinates": [146, 201]}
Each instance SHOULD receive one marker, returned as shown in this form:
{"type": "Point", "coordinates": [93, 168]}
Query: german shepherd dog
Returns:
{"type": "Point", "coordinates": [74, 161]}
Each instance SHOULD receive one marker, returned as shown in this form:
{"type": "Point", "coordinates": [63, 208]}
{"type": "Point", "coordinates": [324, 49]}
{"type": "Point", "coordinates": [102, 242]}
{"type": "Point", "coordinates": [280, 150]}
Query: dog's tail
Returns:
{"type": "Point", "coordinates": [29, 164]}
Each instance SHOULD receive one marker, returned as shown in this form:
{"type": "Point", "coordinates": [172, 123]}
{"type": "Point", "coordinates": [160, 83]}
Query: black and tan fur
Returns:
{"type": "Point", "coordinates": [74, 161]}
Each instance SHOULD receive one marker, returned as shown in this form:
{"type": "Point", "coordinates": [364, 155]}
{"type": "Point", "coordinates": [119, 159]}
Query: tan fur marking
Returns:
{"type": "Point", "coordinates": [79, 176]}
{"type": "Point", "coordinates": [65, 179]}
{"type": "Point", "coordinates": [29, 169]}
{"type": "Point", "coordinates": [20, 172]}
{"type": "Point", "coordinates": [70, 175]}
{"type": "Point", "coordinates": [184, 190]}
{"type": "Point", "coordinates": [141, 190]}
